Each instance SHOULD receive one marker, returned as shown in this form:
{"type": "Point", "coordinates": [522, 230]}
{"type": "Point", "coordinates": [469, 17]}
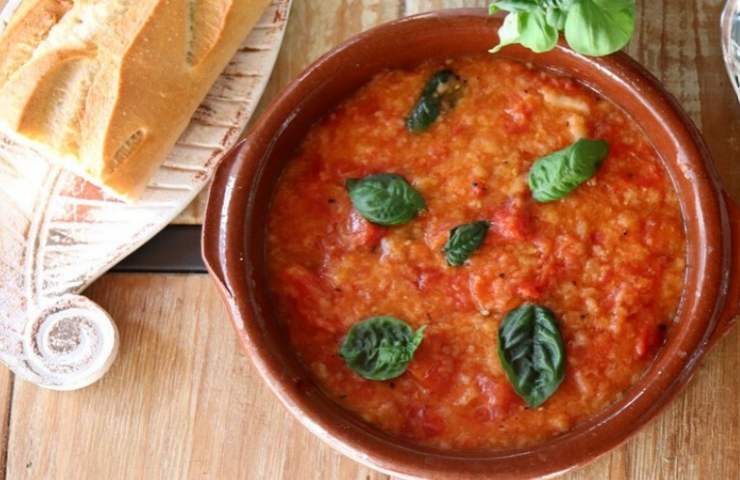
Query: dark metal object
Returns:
{"type": "Point", "coordinates": [176, 249]}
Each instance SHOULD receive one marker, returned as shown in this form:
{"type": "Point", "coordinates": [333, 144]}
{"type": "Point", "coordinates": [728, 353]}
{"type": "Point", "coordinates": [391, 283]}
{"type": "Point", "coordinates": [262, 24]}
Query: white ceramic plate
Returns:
{"type": "Point", "coordinates": [731, 42]}
{"type": "Point", "coordinates": [59, 233]}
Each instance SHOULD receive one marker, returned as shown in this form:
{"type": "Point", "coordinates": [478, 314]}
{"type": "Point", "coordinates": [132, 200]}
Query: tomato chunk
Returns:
{"type": "Point", "coordinates": [431, 368]}
{"type": "Point", "coordinates": [422, 423]}
{"type": "Point", "coordinates": [498, 399]}
{"type": "Point", "coordinates": [364, 234]}
{"type": "Point", "coordinates": [310, 296]}
{"type": "Point", "coordinates": [649, 339]}
{"type": "Point", "coordinates": [513, 220]}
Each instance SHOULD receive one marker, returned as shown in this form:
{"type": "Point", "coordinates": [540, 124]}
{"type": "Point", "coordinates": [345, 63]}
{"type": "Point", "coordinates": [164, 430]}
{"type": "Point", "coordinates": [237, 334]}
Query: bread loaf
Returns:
{"type": "Point", "coordinates": [107, 86]}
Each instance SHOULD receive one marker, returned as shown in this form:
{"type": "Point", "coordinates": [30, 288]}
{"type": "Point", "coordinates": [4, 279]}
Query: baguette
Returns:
{"type": "Point", "coordinates": [107, 86]}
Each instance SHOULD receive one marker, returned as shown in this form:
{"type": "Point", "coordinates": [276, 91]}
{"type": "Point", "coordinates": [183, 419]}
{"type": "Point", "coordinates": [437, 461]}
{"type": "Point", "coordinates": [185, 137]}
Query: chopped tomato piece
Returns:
{"type": "Point", "coordinates": [513, 220]}
{"type": "Point", "coordinates": [428, 278]}
{"type": "Point", "coordinates": [310, 296]}
{"type": "Point", "coordinates": [431, 368]}
{"type": "Point", "coordinates": [530, 289]}
{"type": "Point", "coordinates": [422, 423]}
{"type": "Point", "coordinates": [518, 115]}
{"type": "Point", "coordinates": [498, 399]}
{"type": "Point", "coordinates": [649, 339]}
{"type": "Point", "coordinates": [363, 233]}
{"type": "Point", "coordinates": [455, 284]}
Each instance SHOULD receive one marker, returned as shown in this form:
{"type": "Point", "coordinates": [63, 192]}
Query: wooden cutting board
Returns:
{"type": "Point", "coordinates": [59, 233]}
{"type": "Point", "coordinates": [182, 402]}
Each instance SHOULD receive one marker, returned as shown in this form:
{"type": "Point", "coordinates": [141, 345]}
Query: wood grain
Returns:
{"type": "Point", "coordinates": [6, 398]}
{"type": "Point", "coordinates": [182, 402]}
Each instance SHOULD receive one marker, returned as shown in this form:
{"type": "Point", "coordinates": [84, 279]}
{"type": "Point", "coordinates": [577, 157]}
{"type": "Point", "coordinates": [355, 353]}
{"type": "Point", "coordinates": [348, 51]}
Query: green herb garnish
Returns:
{"type": "Point", "coordinates": [464, 240]}
{"type": "Point", "coordinates": [380, 348]}
{"type": "Point", "coordinates": [556, 175]}
{"type": "Point", "coordinates": [441, 93]}
{"type": "Point", "coordinates": [532, 353]}
{"type": "Point", "coordinates": [385, 199]}
{"type": "Point", "coordinates": [592, 27]}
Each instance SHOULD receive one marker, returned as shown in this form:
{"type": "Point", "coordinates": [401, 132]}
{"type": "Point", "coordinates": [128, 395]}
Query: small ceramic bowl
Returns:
{"type": "Point", "coordinates": [234, 242]}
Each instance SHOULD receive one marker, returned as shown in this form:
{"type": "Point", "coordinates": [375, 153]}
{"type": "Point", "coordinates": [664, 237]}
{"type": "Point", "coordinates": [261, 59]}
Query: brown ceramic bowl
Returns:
{"type": "Point", "coordinates": [234, 244]}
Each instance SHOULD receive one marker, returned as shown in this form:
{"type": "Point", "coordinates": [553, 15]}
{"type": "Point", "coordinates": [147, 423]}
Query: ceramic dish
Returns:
{"type": "Point", "coordinates": [234, 244]}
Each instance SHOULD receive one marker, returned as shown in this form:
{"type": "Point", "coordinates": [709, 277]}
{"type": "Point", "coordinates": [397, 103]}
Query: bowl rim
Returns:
{"type": "Point", "coordinates": [231, 202]}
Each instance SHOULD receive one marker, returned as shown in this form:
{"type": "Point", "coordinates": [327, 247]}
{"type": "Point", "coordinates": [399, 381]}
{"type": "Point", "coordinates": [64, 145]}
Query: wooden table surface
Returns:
{"type": "Point", "coordinates": [183, 402]}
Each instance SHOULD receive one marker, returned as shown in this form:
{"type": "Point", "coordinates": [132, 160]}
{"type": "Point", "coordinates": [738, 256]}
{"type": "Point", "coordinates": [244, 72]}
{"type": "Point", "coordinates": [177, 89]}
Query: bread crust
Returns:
{"type": "Point", "coordinates": [107, 86]}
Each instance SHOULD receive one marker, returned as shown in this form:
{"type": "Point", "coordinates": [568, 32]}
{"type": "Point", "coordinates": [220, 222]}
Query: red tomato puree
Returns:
{"type": "Point", "coordinates": [608, 259]}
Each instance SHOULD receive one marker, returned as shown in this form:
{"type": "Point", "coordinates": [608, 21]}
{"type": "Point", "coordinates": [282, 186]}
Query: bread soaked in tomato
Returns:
{"type": "Point", "coordinates": [607, 259]}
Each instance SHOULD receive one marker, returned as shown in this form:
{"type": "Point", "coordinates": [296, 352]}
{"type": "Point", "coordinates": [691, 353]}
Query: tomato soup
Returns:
{"type": "Point", "coordinates": [607, 259]}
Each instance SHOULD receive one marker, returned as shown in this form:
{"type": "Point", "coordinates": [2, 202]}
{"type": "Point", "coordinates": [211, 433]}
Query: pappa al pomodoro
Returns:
{"type": "Point", "coordinates": [475, 253]}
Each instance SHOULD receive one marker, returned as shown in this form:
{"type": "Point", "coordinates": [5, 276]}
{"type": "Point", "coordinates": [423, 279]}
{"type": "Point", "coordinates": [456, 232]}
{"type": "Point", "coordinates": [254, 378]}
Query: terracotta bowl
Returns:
{"type": "Point", "coordinates": [234, 244]}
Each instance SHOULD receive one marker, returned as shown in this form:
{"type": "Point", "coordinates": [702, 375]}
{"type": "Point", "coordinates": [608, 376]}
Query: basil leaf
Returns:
{"type": "Point", "coordinates": [600, 27]}
{"type": "Point", "coordinates": [385, 199]}
{"type": "Point", "coordinates": [592, 27]}
{"type": "Point", "coordinates": [532, 353]}
{"type": "Point", "coordinates": [555, 17]}
{"type": "Point", "coordinates": [530, 29]}
{"type": "Point", "coordinates": [380, 348]}
{"type": "Point", "coordinates": [556, 175]}
{"type": "Point", "coordinates": [513, 6]}
{"type": "Point", "coordinates": [441, 92]}
{"type": "Point", "coordinates": [464, 240]}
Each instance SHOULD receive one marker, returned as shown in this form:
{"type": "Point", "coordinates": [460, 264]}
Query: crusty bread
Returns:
{"type": "Point", "coordinates": [107, 86]}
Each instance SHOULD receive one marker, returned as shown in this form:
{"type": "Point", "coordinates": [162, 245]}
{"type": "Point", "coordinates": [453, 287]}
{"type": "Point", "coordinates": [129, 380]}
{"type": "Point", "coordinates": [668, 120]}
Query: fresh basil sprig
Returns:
{"type": "Point", "coordinates": [385, 199]}
{"type": "Point", "coordinates": [527, 24]}
{"type": "Point", "coordinates": [441, 92]}
{"type": "Point", "coordinates": [554, 176]}
{"type": "Point", "coordinates": [592, 27]}
{"type": "Point", "coordinates": [380, 348]}
{"type": "Point", "coordinates": [464, 240]}
{"type": "Point", "coordinates": [532, 353]}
